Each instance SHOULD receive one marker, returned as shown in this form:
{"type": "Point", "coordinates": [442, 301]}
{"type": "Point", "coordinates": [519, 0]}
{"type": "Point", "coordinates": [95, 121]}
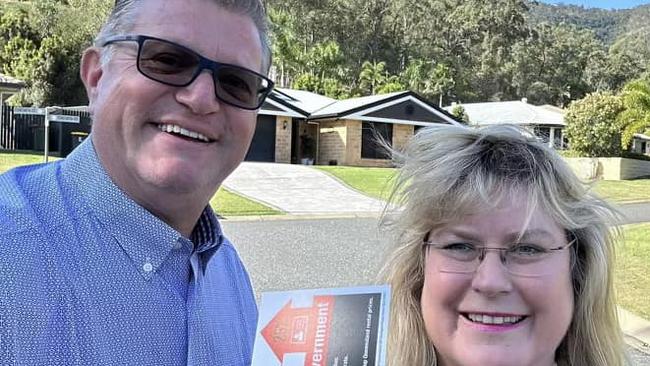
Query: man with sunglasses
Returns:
{"type": "Point", "coordinates": [113, 255]}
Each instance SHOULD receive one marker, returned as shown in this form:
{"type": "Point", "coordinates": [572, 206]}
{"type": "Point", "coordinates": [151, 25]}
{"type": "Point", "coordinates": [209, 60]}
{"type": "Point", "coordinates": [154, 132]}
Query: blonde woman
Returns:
{"type": "Point", "coordinates": [504, 257]}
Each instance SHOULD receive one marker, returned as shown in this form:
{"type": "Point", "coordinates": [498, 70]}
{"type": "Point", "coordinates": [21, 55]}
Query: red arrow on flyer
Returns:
{"type": "Point", "coordinates": [301, 330]}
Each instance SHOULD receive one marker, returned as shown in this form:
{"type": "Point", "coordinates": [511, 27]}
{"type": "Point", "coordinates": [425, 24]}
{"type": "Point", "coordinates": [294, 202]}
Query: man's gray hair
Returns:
{"type": "Point", "coordinates": [122, 20]}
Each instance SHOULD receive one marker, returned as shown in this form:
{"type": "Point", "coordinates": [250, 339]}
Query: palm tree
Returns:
{"type": "Point", "coordinates": [635, 118]}
{"type": "Point", "coordinates": [372, 76]}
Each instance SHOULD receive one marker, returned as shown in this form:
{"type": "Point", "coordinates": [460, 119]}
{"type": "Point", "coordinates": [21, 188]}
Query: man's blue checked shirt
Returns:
{"type": "Point", "coordinates": [89, 277]}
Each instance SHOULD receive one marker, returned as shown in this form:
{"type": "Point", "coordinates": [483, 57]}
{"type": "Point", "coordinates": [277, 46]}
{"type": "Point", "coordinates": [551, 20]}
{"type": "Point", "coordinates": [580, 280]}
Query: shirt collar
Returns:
{"type": "Point", "coordinates": [207, 232]}
{"type": "Point", "coordinates": [145, 238]}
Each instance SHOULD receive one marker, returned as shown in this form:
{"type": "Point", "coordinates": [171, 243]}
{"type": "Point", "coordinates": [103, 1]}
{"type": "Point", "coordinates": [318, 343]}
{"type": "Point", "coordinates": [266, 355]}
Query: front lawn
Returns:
{"type": "Point", "coordinates": [632, 280]}
{"type": "Point", "coordinates": [227, 203]}
{"type": "Point", "coordinates": [376, 182]}
{"type": "Point", "coordinates": [12, 159]}
{"type": "Point", "coordinates": [624, 191]}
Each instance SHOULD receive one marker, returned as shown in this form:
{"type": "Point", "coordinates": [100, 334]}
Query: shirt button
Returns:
{"type": "Point", "coordinates": [148, 267]}
{"type": "Point", "coordinates": [178, 245]}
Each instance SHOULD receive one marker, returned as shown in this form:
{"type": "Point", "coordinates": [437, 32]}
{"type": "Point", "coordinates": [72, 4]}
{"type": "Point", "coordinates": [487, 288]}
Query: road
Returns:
{"type": "Point", "coordinates": [294, 254]}
{"type": "Point", "coordinates": [290, 254]}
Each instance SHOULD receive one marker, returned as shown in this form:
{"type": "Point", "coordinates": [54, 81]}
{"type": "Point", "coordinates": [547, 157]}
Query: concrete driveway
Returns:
{"type": "Point", "coordinates": [299, 190]}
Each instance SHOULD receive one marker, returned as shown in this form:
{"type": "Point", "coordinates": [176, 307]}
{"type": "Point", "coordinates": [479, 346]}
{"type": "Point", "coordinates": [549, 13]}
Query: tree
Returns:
{"type": "Point", "coordinates": [592, 127]}
{"type": "Point", "coordinates": [490, 50]}
{"type": "Point", "coordinates": [549, 65]}
{"type": "Point", "coordinates": [326, 86]}
{"type": "Point", "coordinates": [459, 112]}
{"type": "Point", "coordinates": [635, 45]}
{"type": "Point", "coordinates": [635, 118]}
{"type": "Point", "coordinates": [392, 84]}
{"type": "Point", "coordinates": [610, 71]}
{"type": "Point", "coordinates": [42, 42]}
{"type": "Point", "coordinates": [374, 79]}
{"type": "Point", "coordinates": [439, 82]}
{"type": "Point", "coordinates": [286, 46]}
{"type": "Point", "coordinates": [428, 79]}
{"type": "Point", "coordinates": [322, 71]}
{"type": "Point", "coordinates": [372, 76]}
{"type": "Point", "coordinates": [492, 28]}
{"type": "Point", "coordinates": [415, 74]}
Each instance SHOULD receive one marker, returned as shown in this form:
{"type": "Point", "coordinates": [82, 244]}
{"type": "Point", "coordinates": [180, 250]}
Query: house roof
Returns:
{"type": "Point", "coordinates": [303, 100]}
{"type": "Point", "coordinates": [552, 108]}
{"type": "Point", "coordinates": [280, 103]}
{"type": "Point", "coordinates": [10, 83]}
{"type": "Point", "coordinates": [403, 107]}
{"type": "Point", "coordinates": [513, 112]}
{"type": "Point", "coordinates": [341, 107]}
{"type": "Point", "coordinates": [641, 136]}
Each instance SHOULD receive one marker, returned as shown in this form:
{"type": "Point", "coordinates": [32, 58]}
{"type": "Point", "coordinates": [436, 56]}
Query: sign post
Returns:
{"type": "Point", "coordinates": [48, 118]}
{"type": "Point", "coordinates": [46, 150]}
{"type": "Point", "coordinates": [37, 112]}
{"type": "Point", "coordinates": [49, 110]}
{"type": "Point", "coordinates": [64, 119]}
{"type": "Point", "coordinates": [29, 110]}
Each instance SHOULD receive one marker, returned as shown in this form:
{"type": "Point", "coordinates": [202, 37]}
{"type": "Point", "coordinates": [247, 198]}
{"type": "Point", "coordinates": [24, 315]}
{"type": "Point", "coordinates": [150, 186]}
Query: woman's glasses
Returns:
{"type": "Point", "coordinates": [521, 259]}
{"type": "Point", "coordinates": [172, 64]}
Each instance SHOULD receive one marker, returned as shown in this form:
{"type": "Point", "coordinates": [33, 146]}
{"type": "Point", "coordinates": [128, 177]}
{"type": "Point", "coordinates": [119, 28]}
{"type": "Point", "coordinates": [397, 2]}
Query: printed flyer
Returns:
{"type": "Point", "coordinates": [333, 327]}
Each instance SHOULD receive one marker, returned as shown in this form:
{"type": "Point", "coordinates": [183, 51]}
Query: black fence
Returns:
{"type": "Point", "coordinates": [27, 131]}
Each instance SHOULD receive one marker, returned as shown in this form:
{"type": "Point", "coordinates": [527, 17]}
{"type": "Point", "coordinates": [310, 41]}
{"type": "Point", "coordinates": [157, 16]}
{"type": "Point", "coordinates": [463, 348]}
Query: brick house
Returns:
{"type": "Point", "coordinates": [296, 126]}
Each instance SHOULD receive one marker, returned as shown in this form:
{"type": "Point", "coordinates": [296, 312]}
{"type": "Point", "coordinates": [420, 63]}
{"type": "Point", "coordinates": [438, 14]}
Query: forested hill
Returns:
{"type": "Point", "coordinates": [445, 50]}
{"type": "Point", "coordinates": [458, 50]}
{"type": "Point", "coordinates": [608, 25]}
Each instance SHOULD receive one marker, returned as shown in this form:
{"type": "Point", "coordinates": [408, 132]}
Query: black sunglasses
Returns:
{"type": "Point", "coordinates": [172, 64]}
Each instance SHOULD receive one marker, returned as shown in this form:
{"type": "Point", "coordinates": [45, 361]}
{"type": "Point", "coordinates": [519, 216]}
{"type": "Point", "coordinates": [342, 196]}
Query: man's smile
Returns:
{"type": "Point", "coordinates": [180, 131]}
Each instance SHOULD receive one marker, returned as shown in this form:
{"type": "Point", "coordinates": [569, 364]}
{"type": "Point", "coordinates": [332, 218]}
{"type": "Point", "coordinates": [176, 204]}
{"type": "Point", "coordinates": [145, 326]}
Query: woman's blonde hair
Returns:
{"type": "Point", "coordinates": [447, 172]}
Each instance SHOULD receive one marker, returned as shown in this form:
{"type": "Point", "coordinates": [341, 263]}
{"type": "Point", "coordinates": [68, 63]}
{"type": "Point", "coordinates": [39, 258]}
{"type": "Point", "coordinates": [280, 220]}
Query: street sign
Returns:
{"type": "Point", "coordinates": [29, 110]}
{"type": "Point", "coordinates": [63, 119]}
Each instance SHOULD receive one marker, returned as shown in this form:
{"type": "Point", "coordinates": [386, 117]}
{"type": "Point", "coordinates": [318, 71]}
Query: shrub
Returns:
{"type": "Point", "coordinates": [592, 129]}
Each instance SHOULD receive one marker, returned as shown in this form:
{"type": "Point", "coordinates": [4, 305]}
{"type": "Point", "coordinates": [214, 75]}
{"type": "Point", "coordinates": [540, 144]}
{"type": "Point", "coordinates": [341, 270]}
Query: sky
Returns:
{"type": "Point", "coordinates": [604, 4]}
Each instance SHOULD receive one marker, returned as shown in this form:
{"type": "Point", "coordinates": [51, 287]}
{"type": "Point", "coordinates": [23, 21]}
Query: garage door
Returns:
{"type": "Point", "coordinates": [263, 145]}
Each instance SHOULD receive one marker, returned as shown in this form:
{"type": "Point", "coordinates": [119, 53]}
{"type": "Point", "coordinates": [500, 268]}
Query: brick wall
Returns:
{"type": "Point", "coordinates": [401, 134]}
{"type": "Point", "coordinates": [282, 139]}
{"type": "Point", "coordinates": [353, 153]}
{"type": "Point", "coordinates": [633, 168]}
{"type": "Point", "coordinates": [332, 142]}
{"type": "Point", "coordinates": [341, 141]}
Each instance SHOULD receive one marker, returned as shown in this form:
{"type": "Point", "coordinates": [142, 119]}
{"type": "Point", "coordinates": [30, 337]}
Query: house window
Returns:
{"type": "Point", "coordinates": [371, 134]}
{"type": "Point", "coordinates": [543, 133]}
{"type": "Point", "coordinates": [558, 141]}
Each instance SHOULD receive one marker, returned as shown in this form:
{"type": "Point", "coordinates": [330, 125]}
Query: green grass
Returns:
{"type": "Point", "coordinates": [11, 159]}
{"type": "Point", "coordinates": [624, 190]}
{"type": "Point", "coordinates": [375, 182]}
{"type": "Point", "coordinates": [225, 203]}
{"type": "Point", "coordinates": [632, 275]}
